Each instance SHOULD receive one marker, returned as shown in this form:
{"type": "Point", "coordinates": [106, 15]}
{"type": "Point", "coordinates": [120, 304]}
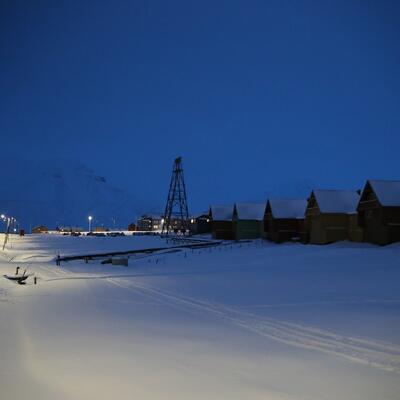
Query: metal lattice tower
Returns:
{"type": "Point", "coordinates": [176, 216]}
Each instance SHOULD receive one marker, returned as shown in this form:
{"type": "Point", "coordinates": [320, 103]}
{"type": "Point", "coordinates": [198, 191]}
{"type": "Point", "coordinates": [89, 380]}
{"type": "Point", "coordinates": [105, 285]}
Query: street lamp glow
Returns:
{"type": "Point", "coordinates": [90, 222]}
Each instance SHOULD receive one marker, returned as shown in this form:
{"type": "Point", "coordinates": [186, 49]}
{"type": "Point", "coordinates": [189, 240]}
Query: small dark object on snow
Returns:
{"type": "Point", "coordinates": [20, 279]}
{"type": "Point", "coordinates": [120, 261]}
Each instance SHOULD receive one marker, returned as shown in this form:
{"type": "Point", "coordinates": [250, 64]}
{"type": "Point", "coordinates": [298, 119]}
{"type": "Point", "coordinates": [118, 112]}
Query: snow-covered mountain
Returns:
{"type": "Point", "coordinates": [62, 192]}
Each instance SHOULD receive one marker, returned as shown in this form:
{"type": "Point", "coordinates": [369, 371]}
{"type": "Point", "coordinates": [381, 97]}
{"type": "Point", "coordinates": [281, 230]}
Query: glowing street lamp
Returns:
{"type": "Point", "coordinates": [3, 218]}
{"type": "Point", "coordinates": [90, 222]}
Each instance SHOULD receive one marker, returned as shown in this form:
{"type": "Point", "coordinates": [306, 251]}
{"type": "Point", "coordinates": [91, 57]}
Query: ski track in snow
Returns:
{"type": "Point", "coordinates": [58, 273]}
{"type": "Point", "coordinates": [378, 354]}
{"type": "Point", "coordinates": [326, 302]}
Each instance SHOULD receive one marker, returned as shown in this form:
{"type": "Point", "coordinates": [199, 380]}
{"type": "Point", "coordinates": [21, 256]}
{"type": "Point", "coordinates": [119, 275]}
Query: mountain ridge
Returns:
{"type": "Point", "coordinates": [63, 192]}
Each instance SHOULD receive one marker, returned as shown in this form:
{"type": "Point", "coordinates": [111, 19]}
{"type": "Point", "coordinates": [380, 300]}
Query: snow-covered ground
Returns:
{"type": "Point", "coordinates": [242, 321]}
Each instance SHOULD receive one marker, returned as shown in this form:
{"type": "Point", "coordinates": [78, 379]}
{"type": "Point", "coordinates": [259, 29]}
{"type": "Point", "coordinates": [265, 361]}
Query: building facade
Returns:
{"type": "Point", "coordinates": [40, 229]}
{"type": "Point", "coordinates": [328, 215]}
{"type": "Point", "coordinates": [284, 219]}
{"type": "Point", "coordinates": [200, 224]}
{"type": "Point", "coordinates": [379, 212]}
{"type": "Point", "coordinates": [150, 223]}
{"type": "Point", "coordinates": [248, 220]}
{"type": "Point", "coordinates": [221, 222]}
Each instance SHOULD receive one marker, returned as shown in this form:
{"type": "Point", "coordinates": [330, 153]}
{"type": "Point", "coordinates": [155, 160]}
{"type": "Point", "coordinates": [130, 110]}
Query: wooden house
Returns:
{"type": "Point", "coordinates": [355, 231]}
{"type": "Point", "coordinates": [69, 229]}
{"type": "Point", "coordinates": [132, 227]}
{"type": "Point", "coordinates": [284, 219]}
{"type": "Point", "coordinates": [221, 222]}
{"type": "Point", "coordinates": [200, 224]}
{"type": "Point", "coordinates": [248, 220]}
{"type": "Point", "coordinates": [149, 222]}
{"type": "Point", "coordinates": [379, 211]}
{"type": "Point", "coordinates": [328, 215]}
{"type": "Point", "coordinates": [40, 229]}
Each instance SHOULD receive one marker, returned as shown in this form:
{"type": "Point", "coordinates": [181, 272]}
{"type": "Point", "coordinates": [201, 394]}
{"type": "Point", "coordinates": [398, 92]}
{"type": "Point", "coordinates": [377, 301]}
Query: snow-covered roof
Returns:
{"type": "Point", "coordinates": [250, 211]}
{"type": "Point", "coordinates": [387, 192]}
{"type": "Point", "coordinates": [288, 208]}
{"type": "Point", "coordinates": [222, 213]}
{"type": "Point", "coordinates": [337, 201]}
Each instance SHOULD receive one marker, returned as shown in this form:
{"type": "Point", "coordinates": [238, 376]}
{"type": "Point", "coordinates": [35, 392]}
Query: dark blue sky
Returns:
{"type": "Point", "coordinates": [252, 94]}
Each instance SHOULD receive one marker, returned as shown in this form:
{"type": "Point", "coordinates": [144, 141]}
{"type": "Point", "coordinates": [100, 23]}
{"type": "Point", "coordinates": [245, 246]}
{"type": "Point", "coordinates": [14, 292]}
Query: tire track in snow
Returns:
{"type": "Point", "coordinates": [378, 354]}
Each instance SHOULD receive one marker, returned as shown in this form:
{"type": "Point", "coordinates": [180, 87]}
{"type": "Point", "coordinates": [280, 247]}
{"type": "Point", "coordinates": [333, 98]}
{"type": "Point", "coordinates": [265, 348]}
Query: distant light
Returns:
{"type": "Point", "coordinates": [208, 220]}
{"type": "Point", "coordinates": [15, 230]}
{"type": "Point", "coordinates": [90, 217]}
{"type": "Point", "coordinates": [192, 221]}
{"type": "Point", "coordinates": [2, 216]}
{"type": "Point", "coordinates": [162, 220]}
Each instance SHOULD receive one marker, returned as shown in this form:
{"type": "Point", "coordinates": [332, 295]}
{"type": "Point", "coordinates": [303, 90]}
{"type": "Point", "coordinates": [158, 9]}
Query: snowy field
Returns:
{"type": "Point", "coordinates": [242, 321]}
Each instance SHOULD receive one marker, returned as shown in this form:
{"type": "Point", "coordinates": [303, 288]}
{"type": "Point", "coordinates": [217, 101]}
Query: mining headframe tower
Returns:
{"type": "Point", "coordinates": [176, 216]}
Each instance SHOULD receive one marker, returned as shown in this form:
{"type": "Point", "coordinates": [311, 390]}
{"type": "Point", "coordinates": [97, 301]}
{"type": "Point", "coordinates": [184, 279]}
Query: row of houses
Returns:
{"type": "Point", "coordinates": [326, 216]}
{"type": "Point", "coordinates": [197, 224]}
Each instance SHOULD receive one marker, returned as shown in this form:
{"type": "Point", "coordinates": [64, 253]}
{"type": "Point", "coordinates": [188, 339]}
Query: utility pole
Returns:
{"type": "Point", "coordinates": [7, 233]}
{"type": "Point", "coordinates": [176, 209]}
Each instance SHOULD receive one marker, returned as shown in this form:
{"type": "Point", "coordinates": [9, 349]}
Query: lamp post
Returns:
{"type": "Point", "coordinates": [90, 222]}
{"type": "Point", "coordinates": [3, 218]}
